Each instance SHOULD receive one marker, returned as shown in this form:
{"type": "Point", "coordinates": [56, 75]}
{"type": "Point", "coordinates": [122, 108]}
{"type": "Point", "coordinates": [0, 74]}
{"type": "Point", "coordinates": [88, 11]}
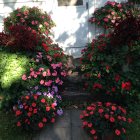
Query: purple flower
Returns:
{"type": "Point", "coordinates": [44, 93]}
{"type": "Point", "coordinates": [55, 88]}
{"type": "Point", "coordinates": [52, 92]}
{"type": "Point", "coordinates": [59, 112]}
{"type": "Point", "coordinates": [36, 87]}
{"type": "Point", "coordinates": [38, 93]}
{"type": "Point", "coordinates": [20, 106]}
{"type": "Point", "coordinates": [50, 95]}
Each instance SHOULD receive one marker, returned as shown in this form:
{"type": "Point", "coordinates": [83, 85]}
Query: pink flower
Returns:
{"type": "Point", "coordinates": [63, 73]}
{"type": "Point", "coordinates": [42, 82]}
{"type": "Point", "coordinates": [44, 74]}
{"type": "Point", "coordinates": [46, 23]}
{"type": "Point", "coordinates": [48, 83]}
{"type": "Point", "coordinates": [105, 19]}
{"type": "Point", "coordinates": [57, 80]}
{"type": "Point", "coordinates": [93, 131]}
{"type": "Point", "coordinates": [33, 22]}
{"type": "Point", "coordinates": [60, 83]}
{"type": "Point", "coordinates": [54, 66]}
{"type": "Point", "coordinates": [41, 69]}
{"type": "Point", "coordinates": [55, 73]}
{"type": "Point", "coordinates": [24, 77]}
{"type": "Point", "coordinates": [48, 72]}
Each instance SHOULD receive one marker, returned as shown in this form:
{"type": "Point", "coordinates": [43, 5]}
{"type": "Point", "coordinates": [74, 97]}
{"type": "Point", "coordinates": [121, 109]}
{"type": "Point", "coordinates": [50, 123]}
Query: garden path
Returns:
{"type": "Point", "coordinates": [67, 127]}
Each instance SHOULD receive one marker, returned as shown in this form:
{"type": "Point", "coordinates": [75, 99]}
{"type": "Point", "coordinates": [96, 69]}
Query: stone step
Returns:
{"type": "Point", "coordinates": [75, 96]}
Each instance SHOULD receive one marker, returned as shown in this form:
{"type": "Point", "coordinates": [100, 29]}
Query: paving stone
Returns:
{"type": "Point", "coordinates": [79, 134]}
{"type": "Point", "coordinates": [55, 133]}
{"type": "Point", "coordinates": [76, 121]}
{"type": "Point", "coordinates": [64, 120]}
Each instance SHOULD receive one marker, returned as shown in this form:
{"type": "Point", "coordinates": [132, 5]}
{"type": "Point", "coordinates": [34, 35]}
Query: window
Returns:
{"type": "Point", "coordinates": [70, 2]}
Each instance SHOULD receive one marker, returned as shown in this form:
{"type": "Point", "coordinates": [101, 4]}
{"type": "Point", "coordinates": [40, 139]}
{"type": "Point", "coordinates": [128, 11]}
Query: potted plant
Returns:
{"type": "Point", "coordinates": [105, 121]}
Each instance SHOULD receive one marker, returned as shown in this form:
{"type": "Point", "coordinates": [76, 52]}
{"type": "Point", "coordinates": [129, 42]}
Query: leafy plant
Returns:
{"type": "Point", "coordinates": [36, 108]}
{"type": "Point", "coordinates": [33, 18]}
{"type": "Point", "coordinates": [112, 13]}
{"type": "Point", "coordinates": [100, 119]}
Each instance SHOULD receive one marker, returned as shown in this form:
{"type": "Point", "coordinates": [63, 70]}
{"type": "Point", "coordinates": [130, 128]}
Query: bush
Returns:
{"type": "Point", "coordinates": [101, 119]}
{"type": "Point", "coordinates": [109, 70]}
{"type": "Point", "coordinates": [36, 108]}
{"type": "Point", "coordinates": [33, 18]}
{"type": "Point", "coordinates": [110, 15]}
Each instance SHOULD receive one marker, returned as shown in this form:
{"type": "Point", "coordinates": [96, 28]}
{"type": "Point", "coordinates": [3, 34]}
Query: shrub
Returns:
{"type": "Point", "coordinates": [109, 71]}
{"type": "Point", "coordinates": [36, 108]}
{"type": "Point", "coordinates": [100, 119]}
{"type": "Point", "coordinates": [110, 15]}
{"type": "Point", "coordinates": [33, 18]}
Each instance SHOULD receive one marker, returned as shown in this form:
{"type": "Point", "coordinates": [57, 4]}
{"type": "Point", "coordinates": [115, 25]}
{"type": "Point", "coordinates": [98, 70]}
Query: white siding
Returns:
{"type": "Point", "coordinates": [7, 6]}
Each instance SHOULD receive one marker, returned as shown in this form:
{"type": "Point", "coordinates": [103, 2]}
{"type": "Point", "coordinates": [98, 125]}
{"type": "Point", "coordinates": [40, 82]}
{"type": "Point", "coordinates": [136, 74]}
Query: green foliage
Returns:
{"type": "Point", "coordinates": [34, 18]}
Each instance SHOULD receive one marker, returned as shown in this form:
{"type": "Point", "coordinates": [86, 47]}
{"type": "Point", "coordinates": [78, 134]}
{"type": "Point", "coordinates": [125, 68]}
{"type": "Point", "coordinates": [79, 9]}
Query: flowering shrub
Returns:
{"type": "Point", "coordinates": [36, 108]}
{"type": "Point", "coordinates": [110, 70]}
{"type": "Point", "coordinates": [46, 73]}
{"type": "Point", "coordinates": [33, 18]}
{"type": "Point", "coordinates": [101, 118]}
{"type": "Point", "coordinates": [112, 13]}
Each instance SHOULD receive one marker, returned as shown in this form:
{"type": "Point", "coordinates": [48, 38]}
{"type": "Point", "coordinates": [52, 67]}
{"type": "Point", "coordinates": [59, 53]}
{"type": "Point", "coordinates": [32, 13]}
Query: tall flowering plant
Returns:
{"type": "Point", "coordinates": [112, 13]}
{"type": "Point", "coordinates": [105, 70]}
{"type": "Point", "coordinates": [37, 107]}
{"type": "Point", "coordinates": [33, 18]}
{"type": "Point", "coordinates": [100, 119]}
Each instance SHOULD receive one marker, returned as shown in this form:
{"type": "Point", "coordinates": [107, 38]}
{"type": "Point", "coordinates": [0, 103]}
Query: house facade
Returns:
{"type": "Point", "coordinates": [72, 31]}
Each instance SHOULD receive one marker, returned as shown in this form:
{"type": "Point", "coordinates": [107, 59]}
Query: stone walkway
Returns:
{"type": "Point", "coordinates": [67, 127]}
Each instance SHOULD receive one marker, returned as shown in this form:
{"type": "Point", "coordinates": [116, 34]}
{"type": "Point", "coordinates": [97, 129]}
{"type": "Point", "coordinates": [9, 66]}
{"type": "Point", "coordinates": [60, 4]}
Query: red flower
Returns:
{"type": "Point", "coordinates": [40, 124]}
{"type": "Point", "coordinates": [113, 108]}
{"type": "Point", "coordinates": [89, 125]}
{"type": "Point", "coordinates": [53, 120]}
{"type": "Point", "coordinates": [35, 111]}
{"type": "Point", "coordinates": [93, 131]}
{"type": "Point", "coordinates": [30, 109]}
{"type": "Point", "coordinates": [129, 120]}
{"type": "Point", "coordinates": [89, 108]}
{"type": "Point", "coordinates": [126, 85]}
{"type": "Point", "coordinates": [46, 48]}
{"type": "Point", "coordinates": [117, 78]}
{"type": "Point", "coordinates": [35, 97]}
{"type": "Point", "coordinates": [33, 104]}
{"type": "Point", "coordinates": [44, 119]}
{"type": "Point", "coordinates": [18, 123]}
{"type": "Point", "coordinates": [106, 116]}
{"type": "Point", "coordinates": [43, 100]}
{"type": "Point", "coordinates": [18, 112]}
{"type": "Point", "coordinates": [47, 108]}
{"type": "Point", "coordinates": [100, 110]}
{"type": "Point", "coordinates": [97, 85]}
{"type": "Point", "coordinates": [117, 132]}
{"type": "Point", "coordinates": [112, 119]}
{"type": "Point", "coordinates": [81, 116]}
{"type": "Point", "coordinates": [29, 114]}
{"type": "Point", "coordinates": [113, 89]}
{"type": "Point", "coordinates": [27, 97]}
{"type": "Point", "coordinates": [85, 123]}
{"type": "Point", "coordinates": [124, 131]}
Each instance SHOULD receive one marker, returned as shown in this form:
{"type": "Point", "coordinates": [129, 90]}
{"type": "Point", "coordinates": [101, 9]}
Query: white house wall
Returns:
{"type": "Point", "coordinates": [72, 30]}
